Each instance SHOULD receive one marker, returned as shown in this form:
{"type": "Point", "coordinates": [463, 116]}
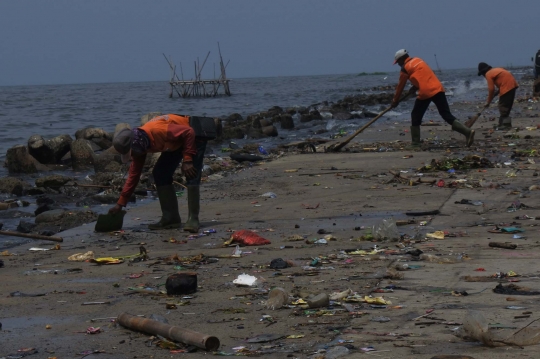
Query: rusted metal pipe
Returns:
{"type": "Point", "coordinates": [206, 342]}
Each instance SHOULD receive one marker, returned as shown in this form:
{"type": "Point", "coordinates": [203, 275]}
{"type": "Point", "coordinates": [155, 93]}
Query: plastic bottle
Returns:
{"type": "Point", "coordinates": [263, 151]}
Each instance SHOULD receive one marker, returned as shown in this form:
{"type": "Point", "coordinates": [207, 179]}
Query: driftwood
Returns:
{"type": "Point", "coordinates": [32, 236]}
{"type": "Point", "coordinates": [502, 245]}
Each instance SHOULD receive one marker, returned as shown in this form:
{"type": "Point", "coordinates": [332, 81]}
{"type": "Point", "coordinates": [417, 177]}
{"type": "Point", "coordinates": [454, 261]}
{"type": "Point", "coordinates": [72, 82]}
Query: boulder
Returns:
{"type": "Point", "coordinates": [234, 118]}
{"type": "Point", "coordinates": [255, 120]}
{"type": "Point", "coordinates": [11, 185]}
{"type": "Point", "coordinates": [49, 151]}
{"type": "Point", "coordinates": [53, 181]}
{"type": "Point", "coordinates": [18, 160]}
{"type": "Point", "coordinates": [82, 155]}
{"type": "Point", "coordinates": [274, 110]}
{"type": "Point", "coordinates": [50, 216]}
{"type": "Point", "coordinates": [233, 133]}
{"type": "Point", "coordinates": [270, 131]}
{"type": "Point", "coordinates": [98, 136]}
{"type": "Point", "coordinates": [148, 117]}
{"type": "Point", "coordinates": [342, 116]}
{"type": "Point", "coordinates": [25, 227]}
{"type": "Point", "coordinates": [107, 162]}
{"type": "Point", "coordinates": [266, 122]}
{"type": "Point", "coordinates": [286, 121]}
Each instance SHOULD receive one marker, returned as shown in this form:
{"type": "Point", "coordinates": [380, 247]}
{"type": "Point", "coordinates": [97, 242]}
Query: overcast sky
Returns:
{"type": "Point", "coordinates": [74, 41]}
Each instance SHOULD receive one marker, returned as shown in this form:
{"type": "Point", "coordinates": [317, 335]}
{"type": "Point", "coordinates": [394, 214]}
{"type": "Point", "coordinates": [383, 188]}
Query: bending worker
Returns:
{"type": "Point", "coordinates": [507, 86]}
{"type": "Point", "coordinates": [176, 139]}
{"type": "Point", "coordinates": [430, 90]}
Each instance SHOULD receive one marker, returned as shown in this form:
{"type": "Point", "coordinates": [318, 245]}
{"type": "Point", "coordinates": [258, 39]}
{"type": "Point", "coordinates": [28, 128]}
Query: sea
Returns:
{"type": "Point", "coordinates": [52, 110]}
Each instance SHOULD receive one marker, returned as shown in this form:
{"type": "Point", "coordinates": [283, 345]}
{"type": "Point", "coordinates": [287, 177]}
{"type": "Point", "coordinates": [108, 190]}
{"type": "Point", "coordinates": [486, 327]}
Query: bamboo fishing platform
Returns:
{"type": "Point", "coordinates": [197, 86]}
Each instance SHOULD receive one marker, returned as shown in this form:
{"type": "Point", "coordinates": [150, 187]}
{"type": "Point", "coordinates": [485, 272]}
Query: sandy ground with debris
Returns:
{"type": "Point", "coordinates": [314, 198]}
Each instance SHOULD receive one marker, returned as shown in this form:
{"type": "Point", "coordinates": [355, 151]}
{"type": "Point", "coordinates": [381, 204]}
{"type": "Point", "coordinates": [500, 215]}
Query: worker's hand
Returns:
{"type": "Point", "coordinates": [394, 104]}
{"type": "Point", "coordinates": [116, 209]}
{"type": "Point", "coordinates": [188, 170]}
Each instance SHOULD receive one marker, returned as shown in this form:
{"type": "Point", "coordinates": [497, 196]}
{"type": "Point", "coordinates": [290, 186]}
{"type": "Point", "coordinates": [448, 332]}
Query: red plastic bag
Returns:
{"type": "Point", "coordinates": [248, 238]}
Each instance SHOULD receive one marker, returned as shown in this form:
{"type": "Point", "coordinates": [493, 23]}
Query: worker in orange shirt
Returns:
{"type": "Point", "coordinates": [430, 90]}
{"type": "Point", "coordinates": [507, 86]}
{"type": "Point", "coordinates": [177, 140]}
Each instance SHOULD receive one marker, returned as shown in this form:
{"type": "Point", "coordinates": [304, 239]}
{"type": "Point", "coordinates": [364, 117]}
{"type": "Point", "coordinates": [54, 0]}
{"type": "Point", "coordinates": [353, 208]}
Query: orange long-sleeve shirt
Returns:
{"type": "Point", "coordinates": [167, 133]}
{"type": "Point", "coordinates": [501, 78]}
{"type": "Point", "coordinates": [421, 76]}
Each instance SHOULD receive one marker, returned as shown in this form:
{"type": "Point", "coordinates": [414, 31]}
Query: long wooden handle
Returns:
{"type": "Point", "coordinates": [32, 236]}
{"type": "Point", "coordinates": [340, 145]}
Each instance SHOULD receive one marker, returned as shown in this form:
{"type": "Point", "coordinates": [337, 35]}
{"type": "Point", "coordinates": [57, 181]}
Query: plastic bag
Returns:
{"type": "Point", "coordinates": [248, 238]}
{"type": "Point", "coordinates": [386, 229]}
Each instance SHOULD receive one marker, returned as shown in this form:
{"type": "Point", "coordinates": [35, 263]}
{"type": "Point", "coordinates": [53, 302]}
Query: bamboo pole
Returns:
{"type": "Point", "coordinates": [32, 236]}
{"type": "Point", "coordinates": [206, 342]}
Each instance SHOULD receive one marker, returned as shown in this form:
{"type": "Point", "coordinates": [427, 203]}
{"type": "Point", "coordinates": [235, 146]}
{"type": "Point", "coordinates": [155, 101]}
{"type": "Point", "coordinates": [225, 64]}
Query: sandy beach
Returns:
{"type": "Point", "coordinates": [49, 303]}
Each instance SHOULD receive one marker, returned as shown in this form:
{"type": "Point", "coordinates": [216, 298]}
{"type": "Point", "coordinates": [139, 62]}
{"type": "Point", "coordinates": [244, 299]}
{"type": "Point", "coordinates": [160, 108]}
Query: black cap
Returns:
{"type": "Point", "coordinates": [483, 68]}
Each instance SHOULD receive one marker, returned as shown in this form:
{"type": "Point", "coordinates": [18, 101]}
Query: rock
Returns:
{"type": "Point", "coordinates": [25, 227]}
{"type": "Point", "coordinates": [82, 155]}
{"type": "Point", "coordinates": [148, 117]}
{"type": "Point", "coordinates": [291, 110]}
{"type": "Point", "coordinates": [254, 132]}
{"type": "Point", "coordinates": [286, 121]}
{"type": "Point", "coordinates": [233, 133]}
{"type": "Point", "coordinates": [277, 298]}
{"type": "Point", "coordinates": [34, 191]}
{"type": "Point", "coordinates": [107, 162]}
{"type": "Point", "coordinates": [342, 116]}
{"type": "Point", "coordinates": [50, 216]}
{"type": "Point", "coordinates": [266, 122]}
{"type": "Point", "coordinates": [255, 120]}
{"type": "Point", "coordinates": [181, 283]}
{"type": "Point", "coordinates": [44, 208]}
{"type": "Point", "coordinates": [49, 151]}
{"type": "Point", "coordinates": [95, 135]}
{"type": "Point", "coordinates": [107, 198]}
{"type": "Point", "coordinates": [270, 131]}
{"type": "Point", "coordinates": [18, 160]}
{"type": "Point", "coordinates": [312, 115]}
{"type": "Point", "coordinates": [234, 117]}
{"type": "Point", "coordinates": [11, 185]}
{"type": "Point", "coordinates": [54, 181]}
{"type": "Point", "coordinates": [318, 301]}
{"type": "Point", "coordinates": [274, 110]}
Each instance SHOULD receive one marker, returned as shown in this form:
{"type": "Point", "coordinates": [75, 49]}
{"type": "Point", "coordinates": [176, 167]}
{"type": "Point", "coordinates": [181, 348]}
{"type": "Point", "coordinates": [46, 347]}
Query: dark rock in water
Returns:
{"type": "Point", "coordinates": [11, 185]}
{"type": "Point", "coordinates": [270, 131]}
{"type": "Point", "coordinates": [1, 266]}
{"type": "Point", "coordinates": [50, 216]}
{"type": "Point", "coordinates": [43, 208]}
{"type": "Point", "coordinates": [274, 110]}
{"type": "Point", "coordinates": [233, 133]}
{"type": "Point", "coordinates": [54, 181]}
{"type": "Point", "coordinates": [49, 151]}
{"type": "Point", "coordinates": [35, 191]}
{"type": "Point", "coordinates": [278, 263]}
{"type": "Point", "coordinates": [234, 117]}
{"type": "Point", "coordinates": [95, 135]}
{"type": "Point", "coordinates": [41, 200]}
{"type": "Point", "coordinates": [286, 121]}
{"type": "Point", "coordinates": [241, 157]}
{"type": "Point", "coordinates": [312, 115]}
{"type": "Point", "coordinates": [149, 116]}
{"type": "Point", "coordinates": [266, 122]}
{"type": "Point", "coordinates": [82, 155]}
{"type": "Point", "coordinates": [342, 115]}
{"type": "Point", "coordinates": [233, 146]}
{"type": "Point", "coordinates": [322, 130]}
{"type": "Point", "coordinates": [302, 110]}
{"type": "Point", "coordinates": [25, 227]}
{"type": "Point", "coordinates": [291, 110]}
{"type": "Point", "coordinates": [18, 160]}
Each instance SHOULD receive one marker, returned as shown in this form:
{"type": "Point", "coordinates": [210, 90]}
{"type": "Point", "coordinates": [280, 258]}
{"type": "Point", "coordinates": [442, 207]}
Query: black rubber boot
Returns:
{"type": "Point", "coordinates": [415, 136]}
{"type": "Point", "coordinates": [170, 217]}
{"type": "Point", "coordinates": [194, 196]}
{"type": "Point", "coordinates": [464, 130]}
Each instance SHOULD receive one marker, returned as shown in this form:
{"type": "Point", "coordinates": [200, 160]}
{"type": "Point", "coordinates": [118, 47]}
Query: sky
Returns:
{"type": "Point", "coordinates": [97, 41]}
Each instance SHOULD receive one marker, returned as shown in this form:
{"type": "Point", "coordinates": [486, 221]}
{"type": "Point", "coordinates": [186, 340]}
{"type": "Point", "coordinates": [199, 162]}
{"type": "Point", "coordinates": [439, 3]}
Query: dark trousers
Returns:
{"type": "Point", "coordinates": [168, 162]}
{"type": "Point", "coordinates": [421, 106]}
{"type": "Point", "coordinates": [506, 102]}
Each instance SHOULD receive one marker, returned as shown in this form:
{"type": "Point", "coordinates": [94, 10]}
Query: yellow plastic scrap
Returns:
{"type": "Point", "coordinates": [377, 300]}
{"type": "Point", "coordinates": [299, 302]}
{"type": "Point", "coordinates": [511, 274]}
{"type": "Point", "coordinates": [107, 260]}
{"type": "Point", "coordinates": [436, 235]}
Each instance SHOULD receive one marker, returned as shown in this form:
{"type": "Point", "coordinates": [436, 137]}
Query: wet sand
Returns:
{"type": "Point", "coordinates": [314, 198]}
